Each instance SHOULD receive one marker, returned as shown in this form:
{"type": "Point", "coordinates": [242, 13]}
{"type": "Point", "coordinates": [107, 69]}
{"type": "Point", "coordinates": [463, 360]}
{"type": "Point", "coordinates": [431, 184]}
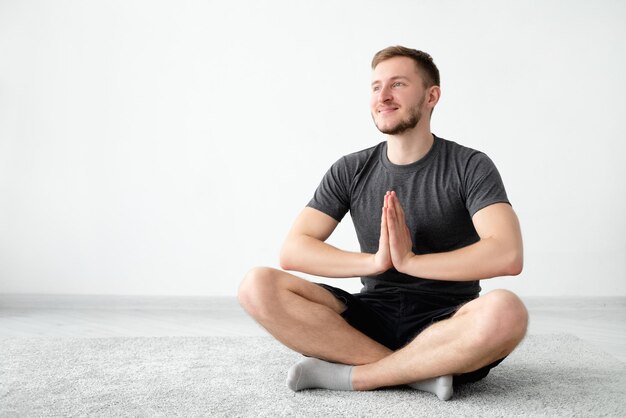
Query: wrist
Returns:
{"type": "Point", "coordinates": [404, 266]}
{"type": "Point", "coordinates": [376, 266]}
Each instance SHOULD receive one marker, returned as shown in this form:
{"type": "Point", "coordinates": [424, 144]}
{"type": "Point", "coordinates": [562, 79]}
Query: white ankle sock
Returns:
{"type": "Point", "coordinates": [314, 373]}
{"type": "Point", "coordinates": [440, 386]}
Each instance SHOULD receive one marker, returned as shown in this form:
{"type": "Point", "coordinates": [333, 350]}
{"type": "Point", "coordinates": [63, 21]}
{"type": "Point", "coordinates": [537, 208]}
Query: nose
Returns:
{"type": "Point", "coordinates": [384, 95]}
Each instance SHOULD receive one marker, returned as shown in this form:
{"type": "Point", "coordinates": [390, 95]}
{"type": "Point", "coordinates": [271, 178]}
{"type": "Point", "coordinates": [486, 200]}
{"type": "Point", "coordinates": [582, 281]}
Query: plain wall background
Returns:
{"type": "Point", "coordinates": [165, 147]}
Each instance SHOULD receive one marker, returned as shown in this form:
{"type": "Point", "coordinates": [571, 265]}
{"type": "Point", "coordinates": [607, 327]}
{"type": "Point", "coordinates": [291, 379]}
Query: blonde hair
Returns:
{"type": "Point", "coordinates": [423, 61]}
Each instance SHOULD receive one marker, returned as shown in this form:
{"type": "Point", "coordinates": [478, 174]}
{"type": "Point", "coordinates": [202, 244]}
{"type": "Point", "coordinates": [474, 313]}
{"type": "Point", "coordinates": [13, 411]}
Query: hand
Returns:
{"type": "Point", "coordinates": [382, 258]}
{"type": "Point", "coordinates": [400, 242]}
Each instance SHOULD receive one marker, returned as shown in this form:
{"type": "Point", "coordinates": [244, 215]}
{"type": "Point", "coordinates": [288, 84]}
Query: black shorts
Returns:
{"type": "Point", "coordinates": [395, 317]}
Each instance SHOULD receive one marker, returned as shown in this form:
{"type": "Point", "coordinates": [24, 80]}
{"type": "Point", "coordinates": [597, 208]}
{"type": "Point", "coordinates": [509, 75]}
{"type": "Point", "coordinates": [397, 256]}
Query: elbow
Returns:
{"type": "Point", "coordinates": [514, 263]}
{"type": "Point", "coordinates": [286, 258]}
{"type": "Point", "coordinates": [295, 254]}
{"type": "Point", "coordinates": [286, 264]}
{"type": "Point", "coordinates": [515, 269]}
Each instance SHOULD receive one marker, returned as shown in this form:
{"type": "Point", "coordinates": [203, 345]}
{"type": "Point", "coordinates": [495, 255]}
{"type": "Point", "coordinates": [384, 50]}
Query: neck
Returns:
{"type": "Point", "coordinates": [409, 146]}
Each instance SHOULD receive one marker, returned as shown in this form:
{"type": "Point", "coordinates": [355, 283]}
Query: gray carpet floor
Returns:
{"type": "Point", "coordinates": [549, 375]}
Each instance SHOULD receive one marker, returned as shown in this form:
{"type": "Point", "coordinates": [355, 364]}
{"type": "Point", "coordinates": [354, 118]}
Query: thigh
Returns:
{"type": "Point", "coordinates": [268, 284]}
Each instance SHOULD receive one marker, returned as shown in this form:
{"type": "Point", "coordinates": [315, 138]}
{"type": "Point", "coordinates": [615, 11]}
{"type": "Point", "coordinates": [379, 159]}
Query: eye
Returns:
{"type": "Point", "coordinates": [398, 84]}
{"type": "Point", "coordinates": [375, 88]}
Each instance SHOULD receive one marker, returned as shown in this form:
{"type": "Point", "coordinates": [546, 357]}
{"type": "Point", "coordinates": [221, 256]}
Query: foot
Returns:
{"type": "Point", "coordinates": [440, 386]}
{"type": "Point", "coordinates": [314, 373]}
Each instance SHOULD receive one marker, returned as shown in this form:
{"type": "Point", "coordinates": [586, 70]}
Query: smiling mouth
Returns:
{"type": "Point", "coordinates": [387, 110]}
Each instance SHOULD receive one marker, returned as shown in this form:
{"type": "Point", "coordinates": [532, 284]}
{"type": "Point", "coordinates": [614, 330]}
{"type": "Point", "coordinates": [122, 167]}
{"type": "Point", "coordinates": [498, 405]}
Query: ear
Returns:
{"type": "Point", "coordinates": [433, 95]}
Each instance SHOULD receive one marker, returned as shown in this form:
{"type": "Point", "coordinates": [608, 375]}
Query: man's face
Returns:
{"type": "Point", "coordinates": [398, 96]}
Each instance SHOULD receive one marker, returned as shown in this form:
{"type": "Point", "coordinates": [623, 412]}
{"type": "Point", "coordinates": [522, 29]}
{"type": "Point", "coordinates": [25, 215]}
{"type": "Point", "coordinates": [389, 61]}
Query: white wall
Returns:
{"type": "Point", "coordinates": [164, 147]}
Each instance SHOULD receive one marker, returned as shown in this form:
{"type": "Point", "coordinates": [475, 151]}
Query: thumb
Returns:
{"type": "Point", "coordinates": [384, 232]}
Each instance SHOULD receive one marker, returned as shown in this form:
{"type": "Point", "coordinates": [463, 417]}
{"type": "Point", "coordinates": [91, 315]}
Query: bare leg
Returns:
{"type": "Point", "coordinates": [481, 332]}
{"type": "Point", "coordinates": [306, 318]}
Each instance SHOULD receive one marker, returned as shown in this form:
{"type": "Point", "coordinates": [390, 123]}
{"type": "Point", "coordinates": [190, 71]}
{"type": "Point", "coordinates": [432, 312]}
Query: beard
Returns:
{"type": "Point", "coordinates": [411, 121]}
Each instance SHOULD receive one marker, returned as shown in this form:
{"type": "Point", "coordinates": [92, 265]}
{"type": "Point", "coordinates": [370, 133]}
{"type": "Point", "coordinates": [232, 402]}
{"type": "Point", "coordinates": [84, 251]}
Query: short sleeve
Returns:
{"type": "Point", "coordinates": [332, 196]}
{"type": "Point", "coordinates": [483, 184]}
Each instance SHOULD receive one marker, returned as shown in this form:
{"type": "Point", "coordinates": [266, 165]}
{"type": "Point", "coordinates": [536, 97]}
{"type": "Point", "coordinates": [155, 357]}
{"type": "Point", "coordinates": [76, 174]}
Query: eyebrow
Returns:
{"type": "Point", "coordinates": [394, 78]}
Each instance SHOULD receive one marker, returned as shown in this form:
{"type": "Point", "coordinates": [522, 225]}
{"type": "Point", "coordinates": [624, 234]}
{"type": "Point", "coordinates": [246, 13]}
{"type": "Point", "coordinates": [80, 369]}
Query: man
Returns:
{"type": "Point", "coordinates": [432, 218]}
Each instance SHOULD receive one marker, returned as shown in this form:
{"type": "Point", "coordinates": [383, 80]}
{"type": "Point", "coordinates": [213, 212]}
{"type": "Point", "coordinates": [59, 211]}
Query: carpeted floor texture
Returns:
{"type": "Point", "coordinates": [549, 375]}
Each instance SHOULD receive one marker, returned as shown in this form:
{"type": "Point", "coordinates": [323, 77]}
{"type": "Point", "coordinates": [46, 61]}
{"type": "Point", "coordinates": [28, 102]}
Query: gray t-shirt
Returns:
{"type": "Point", "coordinates": [439, 193]}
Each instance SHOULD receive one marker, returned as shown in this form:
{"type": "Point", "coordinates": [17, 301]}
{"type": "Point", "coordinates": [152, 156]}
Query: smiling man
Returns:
{"type": "Point", "coordinates": [433, 219]}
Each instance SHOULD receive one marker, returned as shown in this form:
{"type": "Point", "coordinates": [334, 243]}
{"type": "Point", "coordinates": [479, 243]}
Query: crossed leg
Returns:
{"type": "Point", "coordinates": [307, 319]}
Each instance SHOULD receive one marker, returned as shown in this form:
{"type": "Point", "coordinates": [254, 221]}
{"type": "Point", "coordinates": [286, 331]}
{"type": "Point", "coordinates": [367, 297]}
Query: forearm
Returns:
{"type": "Point", "coordinates": [485, 259]}
{"type": "Point", "coordinates": [310, 255]}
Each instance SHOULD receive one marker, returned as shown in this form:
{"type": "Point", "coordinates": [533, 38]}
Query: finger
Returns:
{"type": "Point", "coordinates": [401, 225]}
{"type": "Point", "coordinates": [383, 217]}
{"type": "Point", "coordinates": [398, 208]}
{"type": "Point", "coordinates": [392, 235]}
{"type": "Point", "coordinates": [391, 212]}
{"type": "Point", "coordinates": [392, 226]}
{"type": "Point", "coordinates": [394, 204]}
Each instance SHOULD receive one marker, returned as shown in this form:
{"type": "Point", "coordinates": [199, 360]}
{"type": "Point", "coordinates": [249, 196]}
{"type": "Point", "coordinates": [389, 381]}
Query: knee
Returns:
{"type": "Point", "coordinates": [256, 290]}
{"type": "Point", "coordinates": [503, 319]}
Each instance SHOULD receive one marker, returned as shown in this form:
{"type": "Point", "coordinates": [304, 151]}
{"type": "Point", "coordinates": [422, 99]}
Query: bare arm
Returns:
{"type": "Point", "coordinates": [498, 253]}
{"type": "Point", "coordinates": [304, 250]}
